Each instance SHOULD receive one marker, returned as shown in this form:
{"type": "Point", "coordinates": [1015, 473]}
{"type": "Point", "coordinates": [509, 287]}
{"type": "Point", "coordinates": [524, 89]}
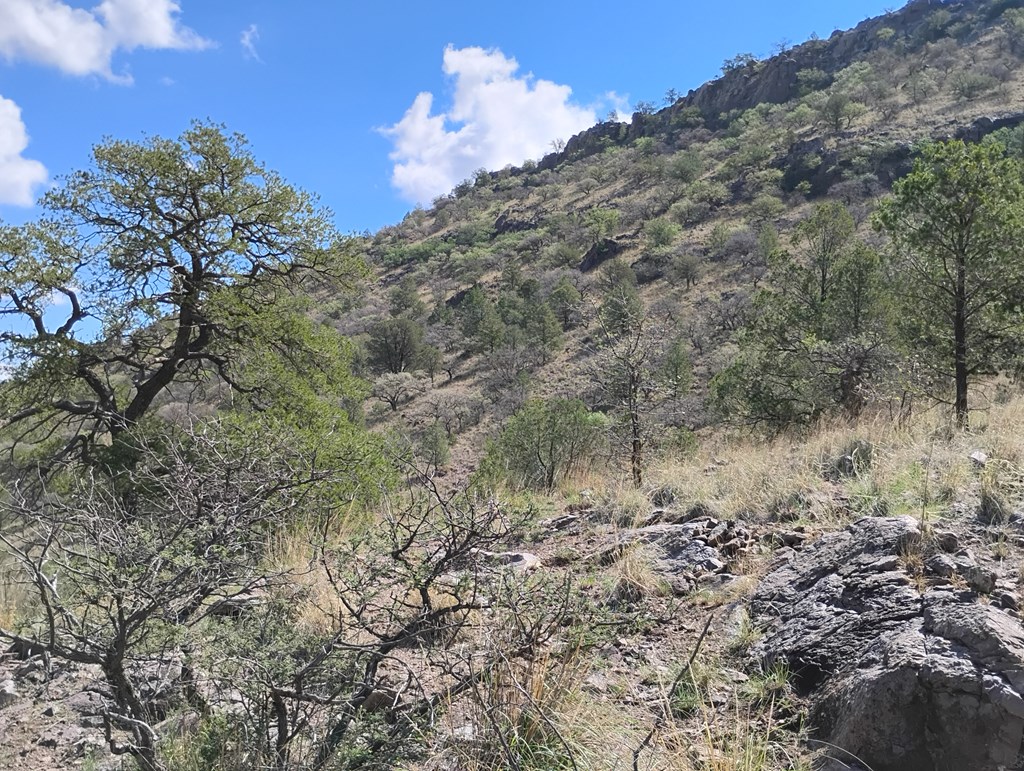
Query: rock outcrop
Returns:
{"type": "Point", "coordinates": [902, 673]}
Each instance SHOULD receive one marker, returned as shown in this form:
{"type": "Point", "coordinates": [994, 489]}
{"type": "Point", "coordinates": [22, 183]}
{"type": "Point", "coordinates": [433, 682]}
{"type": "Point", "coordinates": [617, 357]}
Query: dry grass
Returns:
{"type": "Point", "coordinates": [633, 576]}
{"type": "Point", "coordinates": [918, 469]}
{"type": "Point", "coordinates": [535, 716]}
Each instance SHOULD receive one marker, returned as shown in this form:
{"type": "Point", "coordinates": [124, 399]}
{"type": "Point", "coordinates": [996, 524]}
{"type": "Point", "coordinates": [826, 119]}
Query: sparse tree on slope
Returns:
{"type": "Point", "coordinates": [956, 225]}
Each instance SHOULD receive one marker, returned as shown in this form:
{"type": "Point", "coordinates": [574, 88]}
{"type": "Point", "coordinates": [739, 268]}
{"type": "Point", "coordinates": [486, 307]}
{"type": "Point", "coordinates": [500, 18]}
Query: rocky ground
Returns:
{"type": "Point", "coordinates": [882, 643]}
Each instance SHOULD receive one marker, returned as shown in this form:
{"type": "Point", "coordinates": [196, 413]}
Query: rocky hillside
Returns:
{"type": "Point", "coordinates": [649, 463]}
{"type": "Point", "coordinates": [693, 198]}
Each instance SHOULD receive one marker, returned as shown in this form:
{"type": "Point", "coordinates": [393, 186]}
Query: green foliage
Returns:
{"type": "Point", "coordinates": [621, 305]}
{"type": "Point", "coordinates": [684, 168]}
{"type": "Point", "coordinates": [394, 345]}
{"type": "Point", "coordinates": [544, 442]}
{"type": "Point", "coordinates": [601, 223]}
{"type": "Point", "coordinates": [955, 224]}
{"type": "Point", "coordinates": [179, 263]}
{"type": "Point", "coordinates": [660, 232]}
{"type": "Point", "coordinates": [738, 62]}
{"type": "Point", "coordinates": [566, 302]}
{"type": "Point", "coordinates": [820, 336]}
{"type": "Point", "coordinates": [676, 368]}
{"type": "Point", "coordinates": [813, 79]}
{"type": "Point", "coordinates": [685, 267]}
{"type": "Point", "coordinates": [968, 85]}
{"type": "Point", "coordinates": [405, 300]}
{"type": "Point", "coordinates": [434, 446]}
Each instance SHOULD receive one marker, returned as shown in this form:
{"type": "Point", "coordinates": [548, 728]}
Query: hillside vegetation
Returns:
{"type": "Point", "coordinates": [673, 449]}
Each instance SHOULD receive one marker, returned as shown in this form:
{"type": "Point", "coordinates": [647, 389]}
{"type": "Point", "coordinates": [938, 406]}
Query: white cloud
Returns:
{"type": "Point", "coordinates": [19, 176]}
{"type": "Point", "coordinates": [495, 119]}
{"type": "Point", "coordinates": [83, 42]}
{"type": "Point", "coordinates": [250, 37]}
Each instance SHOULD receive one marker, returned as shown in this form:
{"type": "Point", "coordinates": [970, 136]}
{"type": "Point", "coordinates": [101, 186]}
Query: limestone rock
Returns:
{"type": "Point", "coordinates": [903, 681]}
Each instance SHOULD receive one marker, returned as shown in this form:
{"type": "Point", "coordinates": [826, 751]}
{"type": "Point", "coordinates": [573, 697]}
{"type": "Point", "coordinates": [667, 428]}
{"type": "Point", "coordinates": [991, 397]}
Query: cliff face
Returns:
{"type": "Point", "coordinates": [774, 80]}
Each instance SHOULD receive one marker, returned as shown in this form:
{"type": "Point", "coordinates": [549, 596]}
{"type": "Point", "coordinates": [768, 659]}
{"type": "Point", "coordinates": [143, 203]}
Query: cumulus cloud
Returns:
{"type": "Point", "coordinates": [19, 176]}
{"type": "Point", "coordinates": [250, 37]}
{"type": "Point", "coordinates": [83, 42]}
{"type": "Point", "coordinates": [496, 118]}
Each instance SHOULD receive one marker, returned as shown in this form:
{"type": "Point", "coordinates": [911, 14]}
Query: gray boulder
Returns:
{"type": "Point", "coordinates": [903, 680]}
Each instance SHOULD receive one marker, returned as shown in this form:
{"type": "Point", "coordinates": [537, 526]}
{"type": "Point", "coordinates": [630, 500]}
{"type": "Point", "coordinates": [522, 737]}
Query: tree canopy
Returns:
{"type": "Point", "coordinates": [169, 263]}
{"type": "Point", "coordinates": [956, 225]}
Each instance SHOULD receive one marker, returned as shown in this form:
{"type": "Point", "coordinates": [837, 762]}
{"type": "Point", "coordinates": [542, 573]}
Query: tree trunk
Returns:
{"type": "Point", "coordinates": [960, 344]}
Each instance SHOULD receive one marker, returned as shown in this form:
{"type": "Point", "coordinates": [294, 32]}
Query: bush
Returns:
{"type": "Point", "coordinates": [543, 443]}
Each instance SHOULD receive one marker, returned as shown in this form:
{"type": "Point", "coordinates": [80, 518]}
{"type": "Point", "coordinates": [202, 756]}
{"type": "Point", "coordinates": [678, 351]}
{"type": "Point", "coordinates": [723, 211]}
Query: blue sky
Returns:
{"type": "Point", "coordinates": [334, 95]}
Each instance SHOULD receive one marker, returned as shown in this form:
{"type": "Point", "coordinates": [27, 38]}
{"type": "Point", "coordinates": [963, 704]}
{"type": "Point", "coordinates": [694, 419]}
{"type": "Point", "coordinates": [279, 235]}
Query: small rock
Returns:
{"type": "Point", "coordinates": [979, 458]}
{"type": "Point", "coordinates": [85, 703]}
{"type": "Point", "coordinates": [981, 580]}
{"type": "Point", "coordinates": [948, 542]}
{"type": "Point", "coordinates": [465, 733]}
{"type": "Point", "coordinates": [965, 560]}
{"type": "Point", "coordinates": [560, 523]}
{"type": "Point", "coordinates": [49, 711]}
{"type": "Point", "coordinates": [663, 496]}
{"type": "Point", "coordinates": [1005, 600]}
{"type": "Point", "coordinates": [718, 536]}
{"type": "Point", "coordinates": [941, 565]}
{"type": "Point", "coordinates": [8, 693]}
{"type": "Point", "coordinates": [786, 538]}
{"type": "Point", "coordinates": [520, 560]}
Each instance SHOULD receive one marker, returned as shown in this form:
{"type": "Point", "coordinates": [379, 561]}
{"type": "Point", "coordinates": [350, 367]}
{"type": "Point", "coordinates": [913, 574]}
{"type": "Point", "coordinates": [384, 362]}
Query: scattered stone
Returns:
{"type": "Point", "coordinates": [948, 542]}
{"type": "Point", "coordinates": [940, 565]}
{"type": "Point", "coordinates": [85, 703]}
{"type": "Point", "coordinates": [519, 560]}
{"type": "Point", "coordinates": [49, 711]}
{"type": "Point", "coordinates": [8, 693]}
{"type": "Point", "coordinates": [979, 458]}
{"type": "Point", "coordinates": [981, 580]}
{"type": "Point", "coordinates": [786, 538]}
{"type": "Point", "coordinates": [560, 523]}
{"type": "Point", "coordinates": [1005, 599]}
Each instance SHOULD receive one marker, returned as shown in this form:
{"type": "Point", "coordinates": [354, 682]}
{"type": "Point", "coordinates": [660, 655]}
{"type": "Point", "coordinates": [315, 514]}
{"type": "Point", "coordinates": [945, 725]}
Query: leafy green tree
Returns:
{"type": "Point", "coordinates": [956, 225]}
{"type": "Point", "coordinates": [661, 232]}
{"type": "Point", "coordinates": [686, 268]}
{"type": "Point", "coordinates": [820, 339]}
{"type": "Point", "coordinates": [168, 263]}
{"type": "Point", "coordinates": [394, 388]}
{"type": "Point", "coordinates": [824, 237]}
{"type": "Point", "coordinates": [395, 345]}
{"type": "Point", "coordinates": [636, 369]}
{"type": "Point", "coordinates": [677, 368]}
{"type": "Point", "coordinates": [430, 360]}
{"type": "Point", "coordinates": [566, 301]}
{"type": "Point", "coordinates": [434, 446]}
{"type": "Point", "coordinates": [543, 330]}
{"type": "Point", "coordinates": [621, 305]}
{"type": "Point", "coordinates": [544, 442]}
{"type": "Point", "coordinates": [836, 109]}
{"type": "Point", "coordinates": [685, 167]}
{"type": "Point", "coordinates": [601, 223]}
{"type": "Point", "coordinates": [405, 300]}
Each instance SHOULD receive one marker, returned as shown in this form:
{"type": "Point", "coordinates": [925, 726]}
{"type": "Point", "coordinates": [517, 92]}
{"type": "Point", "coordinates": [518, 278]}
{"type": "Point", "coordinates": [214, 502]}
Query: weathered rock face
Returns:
{"type": "Point", "coordinates": [904, 681]}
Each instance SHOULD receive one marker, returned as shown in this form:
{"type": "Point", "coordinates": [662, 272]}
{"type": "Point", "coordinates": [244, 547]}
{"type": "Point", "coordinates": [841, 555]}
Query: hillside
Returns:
{"type": "Point", "coordinates": [695, 445]}
{"type": "Point", "coordinates": [693, 198]}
